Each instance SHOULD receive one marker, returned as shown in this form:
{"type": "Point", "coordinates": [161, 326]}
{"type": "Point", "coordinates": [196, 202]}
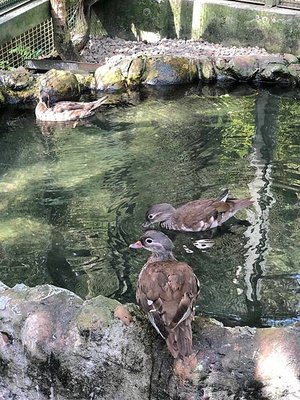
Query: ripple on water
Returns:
{"type": "Point", "coordinates": [82, 192]}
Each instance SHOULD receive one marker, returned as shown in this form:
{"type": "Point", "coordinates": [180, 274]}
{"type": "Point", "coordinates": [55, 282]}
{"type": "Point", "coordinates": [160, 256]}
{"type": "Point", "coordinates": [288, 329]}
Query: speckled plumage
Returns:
{"type": "Point", "coordinates": [167, 290]}
{"type": "Point", "coordinates": [197, 215]}
{"type": "Point", "coordinates": [66, 110]}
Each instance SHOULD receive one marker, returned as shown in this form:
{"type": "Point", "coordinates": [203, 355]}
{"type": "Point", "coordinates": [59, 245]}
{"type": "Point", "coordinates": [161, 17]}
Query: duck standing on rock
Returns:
{"type": "Point", "coordinates": [197, 215]}
{"type": "Point", "coordinates": [167, 290]}
{"type": "Point", "coordinates": [65, 110]}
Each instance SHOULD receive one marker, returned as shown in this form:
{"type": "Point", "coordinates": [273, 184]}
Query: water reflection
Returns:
{"type": "Point", "coordinates": [74, 197]}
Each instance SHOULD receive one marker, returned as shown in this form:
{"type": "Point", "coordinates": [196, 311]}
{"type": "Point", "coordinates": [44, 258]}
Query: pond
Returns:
{"type": "Point", "coordinates": [74, 196]}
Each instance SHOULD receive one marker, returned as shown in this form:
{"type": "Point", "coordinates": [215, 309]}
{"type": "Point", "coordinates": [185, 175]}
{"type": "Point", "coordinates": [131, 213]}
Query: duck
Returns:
{"type": "Point", "coordinates": [195, 216]}
{"type": "Point", "coordinates": [65, 110]}
{"type": "Point", "coordinates": [166, 291]}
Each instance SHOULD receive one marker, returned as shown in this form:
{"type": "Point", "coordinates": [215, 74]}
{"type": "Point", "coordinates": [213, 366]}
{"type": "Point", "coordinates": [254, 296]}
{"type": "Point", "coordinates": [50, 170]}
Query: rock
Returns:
{"type": "Point", "coordinates": [290, 58]}
{"type": "Point", "coordinates": [85, 82]}
{"type": "Point", "coordinates": [168, 70]}
{"type": "Point", "coordinates": [18, 86]}
{"type": "Point", "coordinates": [278, 73]}
{"type": "Point", "coordinates": [265, 60]}
{"type": "Point", "coordinates": [206, 69]}
{"type": "Point", "coordinates": [60, 346]}
{"type": "Point", "coordinates": [19, 79]}
{"type": "Point", "coordinates": [109, 78]}
{"type": "Point", "coordinates": [294, 71]}
{"type": "Point", "coordinates": [136, 70]}
{"type": "Point", "coordinates": [243, 68]}
{"type": "Point", "coordinates": [60, 85]}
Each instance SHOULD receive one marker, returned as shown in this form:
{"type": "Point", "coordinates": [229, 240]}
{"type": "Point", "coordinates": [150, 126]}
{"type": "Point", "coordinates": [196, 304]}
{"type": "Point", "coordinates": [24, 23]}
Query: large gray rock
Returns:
{"type": "Point", "coordinates": [54, 345]}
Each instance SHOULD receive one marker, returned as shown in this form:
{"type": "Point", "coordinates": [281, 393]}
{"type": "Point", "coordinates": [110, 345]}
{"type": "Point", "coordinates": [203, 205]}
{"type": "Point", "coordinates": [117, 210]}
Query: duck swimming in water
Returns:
{"type": "Point", "coordinates": [167, 290]}
{"type": "Point", "coordinates": [65, 110]}
{"type": "Point", "coordinates": [197, 215]}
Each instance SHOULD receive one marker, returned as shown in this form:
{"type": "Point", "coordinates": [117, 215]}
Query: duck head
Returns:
{"type": "Point", "coordinates": [158, 213]}
{"type": "Point", "coordinates": [157, 243]}
{"type": "Point", "coordinates": [44, 98]}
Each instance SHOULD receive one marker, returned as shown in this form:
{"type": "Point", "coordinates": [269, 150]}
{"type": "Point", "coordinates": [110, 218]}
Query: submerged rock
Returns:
{"type": "Point", "coordinates": [59, 346]}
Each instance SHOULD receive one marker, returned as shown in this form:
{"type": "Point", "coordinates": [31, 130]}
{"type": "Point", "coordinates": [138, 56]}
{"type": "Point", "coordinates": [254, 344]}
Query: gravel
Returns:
{"type": "Point", "coordinates": [99, 50]}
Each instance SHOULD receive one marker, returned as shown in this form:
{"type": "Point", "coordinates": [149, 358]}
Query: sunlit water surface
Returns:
{"type": "Point", "coordinates": [74, 197]}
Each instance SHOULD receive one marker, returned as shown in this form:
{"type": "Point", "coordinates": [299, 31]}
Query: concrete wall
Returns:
{"type": "Point", "coordinates": [21, 19]}
{"type": "Point", "coordinates": [238, 24]}
{"type": "Point", "coordinates": [218, 21]}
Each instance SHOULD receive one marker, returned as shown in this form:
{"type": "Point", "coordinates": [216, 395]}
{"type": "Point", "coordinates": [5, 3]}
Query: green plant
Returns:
{"type": "Point", "coordinates": [4, 64]}
{"type": "Point", "coordinates": [26, 52]}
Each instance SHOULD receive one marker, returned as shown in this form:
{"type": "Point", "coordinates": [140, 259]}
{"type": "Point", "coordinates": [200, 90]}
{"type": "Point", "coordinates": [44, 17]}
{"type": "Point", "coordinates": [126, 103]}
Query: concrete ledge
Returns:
{"type": "Point", "coordinates": [23, 18]}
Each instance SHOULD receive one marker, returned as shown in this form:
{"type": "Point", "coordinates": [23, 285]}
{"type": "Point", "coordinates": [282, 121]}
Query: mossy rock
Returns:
{"type": "Point", "coordinates": [85, 82]}
{"type": "Point", "coordinates": [276, 73]}
{"type": "Point", "coordinates": [243, 68]}
{"type": "Point", "coordinates": [136, 70]}
{"type": "Point", "coordinates": [294, 70]}
{"type": "Point", "coordinates": [170, 70]}
{"type": "Point", "coordinates": [96, 313]}
{"type": "Point", "coordinates": [19, 79]}
{"type": "Point", "coordinates": [206, 69]}
{"type": "Point", "coordinates": [109, 78]}
{"type": "Point", "coordinates": [60, 85]}
{"type": "Point", "coordinates": [18, 86]}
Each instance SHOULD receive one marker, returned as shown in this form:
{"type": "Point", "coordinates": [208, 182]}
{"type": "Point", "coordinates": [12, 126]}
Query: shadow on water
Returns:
{"type": "Point", "coordinates": [74, 197]}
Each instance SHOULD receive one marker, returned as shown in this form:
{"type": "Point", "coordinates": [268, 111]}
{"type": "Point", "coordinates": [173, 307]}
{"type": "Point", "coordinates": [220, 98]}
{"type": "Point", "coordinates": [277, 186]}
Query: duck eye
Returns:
{"type": "Point", "coordinates": [151, 216]}
{"type": "Point", "coordinates": [148, 240]}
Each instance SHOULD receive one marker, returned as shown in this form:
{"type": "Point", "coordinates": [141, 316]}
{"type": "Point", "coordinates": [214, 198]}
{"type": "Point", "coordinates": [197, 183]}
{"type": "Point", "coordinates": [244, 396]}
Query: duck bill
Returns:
{"type": "Point", "coordinates": [136, 245]}
{"type": "Point", "coordinates": [146, 224]}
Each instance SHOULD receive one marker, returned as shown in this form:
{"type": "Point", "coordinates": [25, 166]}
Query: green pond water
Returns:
{"type": "Point", "coordinates": [74, 197]}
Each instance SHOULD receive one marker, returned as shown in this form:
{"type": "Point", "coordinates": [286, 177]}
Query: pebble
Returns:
{"type": "Point", "coordinates": [99, 50]}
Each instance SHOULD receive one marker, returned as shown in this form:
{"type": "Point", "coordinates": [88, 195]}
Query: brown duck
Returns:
{"type": "Point", "coordinates": [197, 215]}
{"type": "Point", "coordinates": [167, 290]}
{"type": "Point", "coordinates": [65, 110]}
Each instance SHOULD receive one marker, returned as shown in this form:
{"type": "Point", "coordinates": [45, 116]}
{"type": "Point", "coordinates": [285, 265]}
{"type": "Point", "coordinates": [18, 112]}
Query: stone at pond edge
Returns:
{"type": "Point", "coordinates": [169, 70]}
{"type": "Point", "coordinates": [294, 70]}
{"type": "Point", "coordinates": [60, 85]}
{"type": "Point", "coordinates": [19, 79]}
{"type": "Point", "coordinates": [206, 70]}
{"type": "Point", "coordinates": [109, 78]}
{"type": "Point", "coordinates": [276, 73]}
{"type": "Point", "coordinates": [61, 346]}
{"type": "Point", "coordinates": [18, 86]}
{"type": "Point", "coordinates": [242, 68]}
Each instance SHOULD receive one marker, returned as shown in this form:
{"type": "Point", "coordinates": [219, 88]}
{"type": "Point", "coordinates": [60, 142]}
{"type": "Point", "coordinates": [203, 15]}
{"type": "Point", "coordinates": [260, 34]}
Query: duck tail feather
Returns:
{"type": "Point", "coordinates": [179, 341]}
{"type": "Point", "coordinates": [97, 103]}
{"type": "Point", "coordinates": [242, 203]}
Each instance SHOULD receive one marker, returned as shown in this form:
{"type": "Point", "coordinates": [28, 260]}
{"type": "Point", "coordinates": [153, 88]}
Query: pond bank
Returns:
{"type": "Point", "coordinates": [55, 345]}
{"type": "Point", "coordinates": [167, 65]}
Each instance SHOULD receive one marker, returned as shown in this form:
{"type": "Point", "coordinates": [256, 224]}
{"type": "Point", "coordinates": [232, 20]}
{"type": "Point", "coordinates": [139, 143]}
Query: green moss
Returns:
{"type": "Point", "coordinates": [96, 313]}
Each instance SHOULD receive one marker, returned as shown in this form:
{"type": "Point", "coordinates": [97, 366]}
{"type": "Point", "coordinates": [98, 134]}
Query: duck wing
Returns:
{"type": "Point", "coordinates": [200, 215]}
{"type": "Point", "coordinates": [167, 292]}
{"type": "Point", "coordinates": [62, 106]}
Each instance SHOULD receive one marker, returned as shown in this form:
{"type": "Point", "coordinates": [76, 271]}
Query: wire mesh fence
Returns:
{"type": "Point", "coordinates": [35, 42]}
{"type": "Point", "coordinates": [38, 41]}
